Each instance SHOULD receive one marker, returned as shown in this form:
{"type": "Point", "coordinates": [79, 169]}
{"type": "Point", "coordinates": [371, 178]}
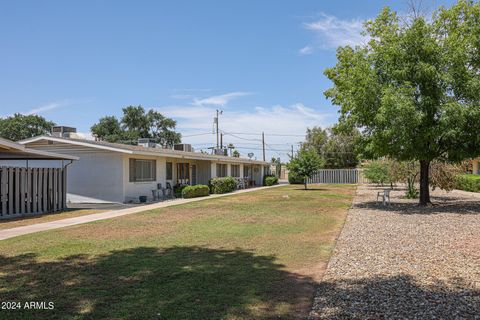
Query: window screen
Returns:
{"type": "Point", "coordinates": [142, 170]}
{"type": "Point", "coordinates": [221, 170]}
{"type": "Point", "coordinates": [235, 170]}
{"type": "Point", "coordinates": [169, 171]}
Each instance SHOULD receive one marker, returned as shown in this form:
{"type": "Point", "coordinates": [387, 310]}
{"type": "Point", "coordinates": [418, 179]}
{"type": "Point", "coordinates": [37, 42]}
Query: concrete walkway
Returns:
{"type": "Point", "coordinates": [15, 232]}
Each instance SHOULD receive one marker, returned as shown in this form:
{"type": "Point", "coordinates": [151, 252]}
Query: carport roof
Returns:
{"type": "Point", "coordinates": [10, 150]}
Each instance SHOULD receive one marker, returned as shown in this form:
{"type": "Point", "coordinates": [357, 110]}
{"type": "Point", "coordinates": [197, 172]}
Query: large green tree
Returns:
{"type": "Point", "coordinates": [413, 89]}
{"type": "Point", "coordinates": [337, 146]}
{"type": "Point", "coordinates": [109, 129]}
{"type": "Point", "coordinates": [137, 123]}
{"type": "Point", "coordinates": [315, 139]}
{"type": "Point", "coordinates": [340, 150]}
{"type": "Point", "coordinates": [19, 126]}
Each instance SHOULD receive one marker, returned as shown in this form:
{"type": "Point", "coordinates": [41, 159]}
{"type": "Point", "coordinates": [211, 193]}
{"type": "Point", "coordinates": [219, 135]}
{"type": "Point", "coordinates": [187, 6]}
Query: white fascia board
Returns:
{"type": "Point", "coordinates": [77, 143]}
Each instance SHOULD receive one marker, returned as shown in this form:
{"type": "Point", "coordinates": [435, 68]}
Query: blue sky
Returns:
{"type": "Point", "coordinates": [261, 62]}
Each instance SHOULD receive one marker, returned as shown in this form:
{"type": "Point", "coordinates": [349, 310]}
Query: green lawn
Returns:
{"type": "Point", "coordinates": [249, 256]}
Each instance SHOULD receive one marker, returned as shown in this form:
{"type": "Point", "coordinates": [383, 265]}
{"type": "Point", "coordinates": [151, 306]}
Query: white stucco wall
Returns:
{"type": "Point", "coordinates": [133, 190]}
{"type": "Point", "coordinates": [97, 175]}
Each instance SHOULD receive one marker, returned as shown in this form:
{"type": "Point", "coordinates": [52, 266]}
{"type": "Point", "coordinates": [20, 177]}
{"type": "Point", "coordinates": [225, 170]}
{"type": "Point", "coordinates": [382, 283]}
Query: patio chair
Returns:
{"type": "Point", "coordinates": [169, 191]}
{"type": "Point", "coordinates": [385, 196]}
{"type": "Point", "coordinates": [159, 193]}
{"type": "Point", "coordinates": [240, 183]}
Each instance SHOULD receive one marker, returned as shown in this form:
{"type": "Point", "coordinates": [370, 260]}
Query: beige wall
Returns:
{"type": "Point", "coordinates": [475, 166]}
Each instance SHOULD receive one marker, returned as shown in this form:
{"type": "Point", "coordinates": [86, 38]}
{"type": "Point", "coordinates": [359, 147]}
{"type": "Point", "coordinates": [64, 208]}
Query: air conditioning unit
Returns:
{"type": "Point", "coordinates": [64, 132]}
{"type": "Point", "coordinates": [220, 152]}
{"type": "Point", "coordinates": [147, 142]}
{"type": "Point", "coordinates": [183, 147]}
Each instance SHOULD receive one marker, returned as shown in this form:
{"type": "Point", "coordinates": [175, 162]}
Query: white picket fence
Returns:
{"type": "Point", "coordinates": [25, 191]}
{"type": "Point", "coordinates": [338, 176]}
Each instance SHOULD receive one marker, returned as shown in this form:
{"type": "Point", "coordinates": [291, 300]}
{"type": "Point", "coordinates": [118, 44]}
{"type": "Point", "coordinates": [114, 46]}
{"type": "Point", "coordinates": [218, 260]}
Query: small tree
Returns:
{"type": "Point", "coordinates": [406, 172]}
{"type": "Point", "coordinates": [305, 164]}
{"type": "Point", "coordinates": [377, 172]}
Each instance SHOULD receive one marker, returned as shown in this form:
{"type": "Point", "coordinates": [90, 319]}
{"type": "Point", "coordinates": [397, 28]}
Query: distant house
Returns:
{"type": "Point", "coordinates": [115, 172]}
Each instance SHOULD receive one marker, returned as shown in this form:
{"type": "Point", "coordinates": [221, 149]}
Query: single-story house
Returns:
{"type": "Point", "coordinates": [28, 190]}
{"type": "Point", "coordinates": [115, 172]}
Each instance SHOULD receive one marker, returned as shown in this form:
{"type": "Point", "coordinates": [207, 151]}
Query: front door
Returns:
{"type": "Point", "coordinates": [194, 174]}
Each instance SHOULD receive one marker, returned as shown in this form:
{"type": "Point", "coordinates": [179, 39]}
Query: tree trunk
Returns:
{"type": "Point", "coordinates": [424, 183]}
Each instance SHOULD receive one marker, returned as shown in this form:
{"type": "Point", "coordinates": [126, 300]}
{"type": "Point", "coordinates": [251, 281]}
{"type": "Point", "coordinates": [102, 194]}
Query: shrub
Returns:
{"type": "Point", "coordinates": [199, 190]}
{"type": "Point", "coordinates": [177, 190]}
{"type": "Point", "coordinates": [270, 180]}
{"type": "Point", "coordinates": [468, 182]}
{"type": "Point", "coordinates": [222, 185]}
{"type": "Point", "coordinates": [377, 172]}
{"type": "Point", "coordinates": [294, 178]}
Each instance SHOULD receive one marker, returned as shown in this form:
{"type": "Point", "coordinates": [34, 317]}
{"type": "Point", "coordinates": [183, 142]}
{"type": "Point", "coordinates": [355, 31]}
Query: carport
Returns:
{"type": "Point", "coordinates": [27, 189]}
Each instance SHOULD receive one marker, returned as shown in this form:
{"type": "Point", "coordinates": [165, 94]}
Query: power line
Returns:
{"type": "Point", "coordinates": [233, 135]}
{"type": "Point", "coordinates": [268, 134]}
{"type": "Point", "coordinates": [196, 134]}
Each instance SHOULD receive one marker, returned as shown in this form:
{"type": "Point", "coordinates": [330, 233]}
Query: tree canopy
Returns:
{"type": "Point", "coordinates": [19, 126]}
{"type": "Point", "coordinates": [304, 164]}
{"type": "Point", "coordinates": [335, 146]}
{"type": "Point", "coordinates": [137, 123]}
{"type": "Point", "coordinates": [413, 89]}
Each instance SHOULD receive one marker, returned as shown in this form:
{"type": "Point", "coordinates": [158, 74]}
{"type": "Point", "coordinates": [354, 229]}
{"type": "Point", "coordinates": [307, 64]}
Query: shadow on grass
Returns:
{"type": "Point", "coordinates": [148, 283]}
{"type": "Point", "coordinates": [311, 189]}
{"type": "Point", "coordinates": [398, 297]}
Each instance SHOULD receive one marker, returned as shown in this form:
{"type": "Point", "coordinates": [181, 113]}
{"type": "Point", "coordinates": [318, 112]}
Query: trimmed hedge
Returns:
{"type": "Point", "coordinates": [270, 180]}
{"type": "Point", "coordinates": [198, 190]}
{"type": "Point", "coordinates": [222, 185]}
{"type": "Point", "coordinates": [468, 182]}
{"type": "Point", "coordinates": [294, 179]}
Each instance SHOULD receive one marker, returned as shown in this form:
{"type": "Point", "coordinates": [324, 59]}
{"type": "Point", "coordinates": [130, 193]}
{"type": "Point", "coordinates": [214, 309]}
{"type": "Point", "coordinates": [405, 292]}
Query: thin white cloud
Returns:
{"type": "Point", "coordinates": [306, 50]}
{"type": "Point", "coordinates": [332, 32]}
{"type": "Point", "coordinates": [220, 100]}
{"type": "Point", "coordinates": [47, 107]}
{"type": "Point", "coordinates": [290, 120]}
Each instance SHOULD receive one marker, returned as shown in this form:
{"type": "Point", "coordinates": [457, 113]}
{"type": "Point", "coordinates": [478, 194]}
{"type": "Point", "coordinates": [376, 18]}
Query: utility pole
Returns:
{"type": "Point", "coordinates": [216, 123]}
{"type": "Point", "coordinates": [263, 145]}
{"type": "Point", "coordinates": [292, 150]}
{"type": "Point", "coordinates": [221, 140]}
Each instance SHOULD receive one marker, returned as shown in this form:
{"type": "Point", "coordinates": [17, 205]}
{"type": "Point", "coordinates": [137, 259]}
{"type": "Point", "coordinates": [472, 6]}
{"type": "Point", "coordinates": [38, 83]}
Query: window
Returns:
{"type": "Point", "coordinates": [247, 171]}
{"type": "Point", "coordinates": [183, 172]}
{"type": "Point", "coordinates": [235, 170]}
{"type": "Point", "coordinates": [169, 171]}
{"type": "Point", "coordinates": [221, 170]}
{"type": "Point", "coordinates": [142, 170]}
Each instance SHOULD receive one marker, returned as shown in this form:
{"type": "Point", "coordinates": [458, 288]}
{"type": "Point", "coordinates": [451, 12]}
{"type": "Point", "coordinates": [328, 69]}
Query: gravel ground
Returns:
{"type": "Point", "coordinates": [403, 261]}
